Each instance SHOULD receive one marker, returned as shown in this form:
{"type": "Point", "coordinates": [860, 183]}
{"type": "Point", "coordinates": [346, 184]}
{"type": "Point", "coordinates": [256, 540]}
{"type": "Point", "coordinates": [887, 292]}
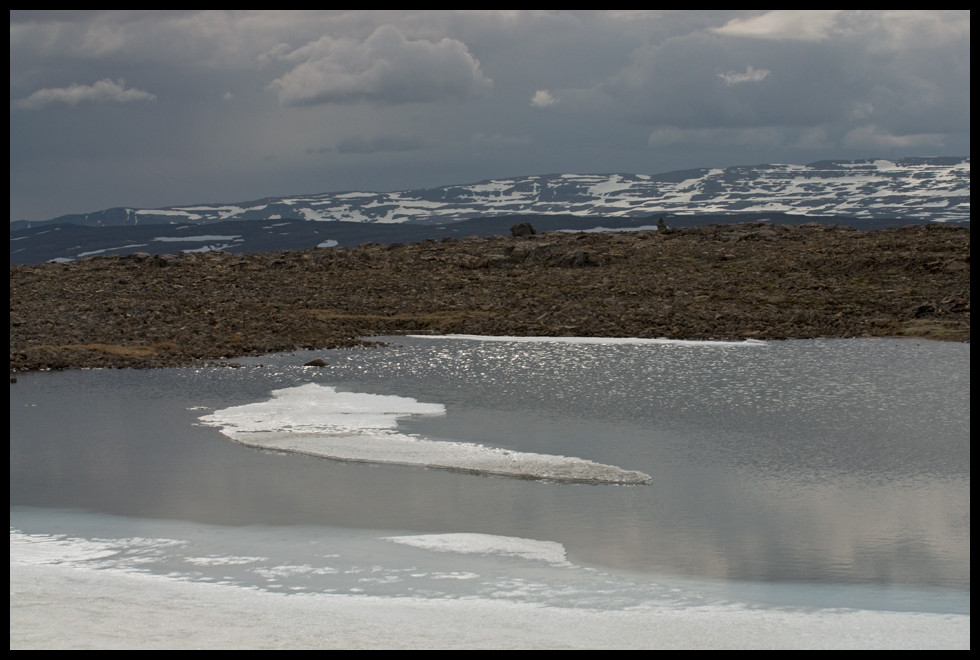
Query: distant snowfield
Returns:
{"type": "Point", "coordinates": [935, 189]}
{"type": "Point", "coordinates": [62, 597]}
{"type": "Point", "coordinates": [318, 420]}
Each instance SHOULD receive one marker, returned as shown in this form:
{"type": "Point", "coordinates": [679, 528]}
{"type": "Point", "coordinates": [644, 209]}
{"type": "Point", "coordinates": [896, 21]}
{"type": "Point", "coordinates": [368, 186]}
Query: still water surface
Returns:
{"type": "Point", "coordinates": [825, 462]}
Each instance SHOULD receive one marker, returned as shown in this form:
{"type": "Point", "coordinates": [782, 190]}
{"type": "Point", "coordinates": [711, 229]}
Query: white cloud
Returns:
{"type": "Point", "coordinates": [909, 30]}
{"type": "Point", "coordinates": [543, 99]}
{"type": "Point", "coordinates": [876, 30]}
{"type": "Point", "coordinates": [387, 68]}
{"type": "Point", "coordinates": [751, 74]}
{"type": "Point", "coordinates": [784, 24]}
{"type": "Point", "coordinates": [88, 35]}
{"type": "Point", "coordinates": [103, 91]}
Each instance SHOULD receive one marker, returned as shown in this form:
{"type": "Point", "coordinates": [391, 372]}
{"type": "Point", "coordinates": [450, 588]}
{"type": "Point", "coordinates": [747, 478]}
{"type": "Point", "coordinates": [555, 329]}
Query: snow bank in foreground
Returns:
{"type": "Point", "coordinates": [320, 421]}
{"type": "Point", "coordinates": [59, 604]}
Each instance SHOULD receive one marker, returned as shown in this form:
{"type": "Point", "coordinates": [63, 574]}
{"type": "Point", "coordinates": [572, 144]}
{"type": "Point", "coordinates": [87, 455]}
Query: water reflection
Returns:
{"type": "Point", "coordinates": [813, 461]}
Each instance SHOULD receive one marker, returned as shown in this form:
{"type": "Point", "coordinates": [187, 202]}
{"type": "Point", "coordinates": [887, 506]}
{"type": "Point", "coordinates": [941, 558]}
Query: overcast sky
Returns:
{"type": "Point", "coordinates": [162, 108]}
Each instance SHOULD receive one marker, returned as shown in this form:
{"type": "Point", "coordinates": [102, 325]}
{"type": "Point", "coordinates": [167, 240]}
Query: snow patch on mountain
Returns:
{"type": "Point", "coordinates": [921, 189]}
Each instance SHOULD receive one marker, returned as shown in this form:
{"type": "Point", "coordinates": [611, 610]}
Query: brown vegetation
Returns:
{"type": "Point", "coordinates": [718, 282]}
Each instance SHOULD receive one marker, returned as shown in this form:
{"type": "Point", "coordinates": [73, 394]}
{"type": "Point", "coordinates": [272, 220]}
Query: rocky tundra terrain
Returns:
{"type": "Point", "coordinates": [717, 282]}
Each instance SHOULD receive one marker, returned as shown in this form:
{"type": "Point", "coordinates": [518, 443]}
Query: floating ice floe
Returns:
{"type": "Point", "coordinates": [488, 544]}
{"type": "Point", "coordinates": [318, 420]}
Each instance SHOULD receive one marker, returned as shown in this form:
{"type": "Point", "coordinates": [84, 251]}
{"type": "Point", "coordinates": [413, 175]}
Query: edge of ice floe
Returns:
{"type": "Point", "coordinates": [479, 460]}
{"type": "Point", "coordinates": [316, 420]}
{"type": "Point", "coordinates": [594, 340]}
{"type": "Point", "coordinates": [487, 544]}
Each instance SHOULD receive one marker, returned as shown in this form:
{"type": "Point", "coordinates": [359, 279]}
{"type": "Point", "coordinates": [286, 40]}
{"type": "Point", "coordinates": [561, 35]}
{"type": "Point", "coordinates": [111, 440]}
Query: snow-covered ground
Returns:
{"type": "Point", "coordinates": [69, 593]}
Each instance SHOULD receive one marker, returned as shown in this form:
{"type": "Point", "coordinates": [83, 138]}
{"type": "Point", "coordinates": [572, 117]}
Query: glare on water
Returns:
{"type": "Point", "coordinates": [835, 472]}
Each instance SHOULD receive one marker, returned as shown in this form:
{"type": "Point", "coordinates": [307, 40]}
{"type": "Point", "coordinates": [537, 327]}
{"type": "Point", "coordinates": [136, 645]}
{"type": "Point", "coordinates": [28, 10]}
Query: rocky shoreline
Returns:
{"type": "Point", "coordinates": [718, 282]}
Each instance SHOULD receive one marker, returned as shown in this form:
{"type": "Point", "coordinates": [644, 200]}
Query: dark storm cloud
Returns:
{"type": "Point", "coordinates": [838, 77]}
{"type": "Point", "coordinates": [360, 145]}
{"type": "Point", "coordinates": [155, 108]}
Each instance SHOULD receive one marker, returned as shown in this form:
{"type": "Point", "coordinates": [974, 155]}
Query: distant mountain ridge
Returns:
{"type": "Point", "coordinates": [865, 194]}
{"type": "Point", "coordinates": [933, 189]}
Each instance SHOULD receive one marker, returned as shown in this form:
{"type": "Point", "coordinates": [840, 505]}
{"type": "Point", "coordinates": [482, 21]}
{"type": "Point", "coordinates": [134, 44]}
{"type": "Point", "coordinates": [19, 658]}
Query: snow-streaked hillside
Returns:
{"type": "Point", "coordinates": [924, 189]}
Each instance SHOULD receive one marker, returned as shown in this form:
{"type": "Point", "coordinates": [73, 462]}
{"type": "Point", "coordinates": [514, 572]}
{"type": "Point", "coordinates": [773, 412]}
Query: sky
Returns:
{"type": "Point", "coordinates": [162, 108]}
